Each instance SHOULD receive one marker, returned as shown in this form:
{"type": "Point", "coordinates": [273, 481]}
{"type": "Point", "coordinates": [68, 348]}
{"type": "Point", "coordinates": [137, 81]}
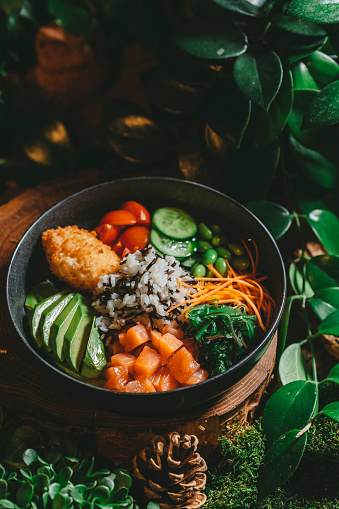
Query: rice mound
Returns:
{"type": "Point", "coordinates": [146, 284]}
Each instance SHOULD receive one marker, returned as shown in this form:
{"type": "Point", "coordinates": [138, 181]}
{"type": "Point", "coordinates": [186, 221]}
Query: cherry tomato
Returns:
{"type": "Point", "coordinates": [136, 237]}
{"type": "Point", "coordinates": [119, 218]}
{"type": "Point", "coordinates": [140, 213]}
{"type": "Point", "coordinates": [125, 252]}
{"type": "Point", "coordinates": [118, 247]}
{"type": "Point", "coordinates": [107, 233]}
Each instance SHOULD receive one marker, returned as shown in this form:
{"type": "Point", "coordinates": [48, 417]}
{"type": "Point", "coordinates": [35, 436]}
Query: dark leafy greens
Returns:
{"type": "Point", "coordinates": [223, 335]}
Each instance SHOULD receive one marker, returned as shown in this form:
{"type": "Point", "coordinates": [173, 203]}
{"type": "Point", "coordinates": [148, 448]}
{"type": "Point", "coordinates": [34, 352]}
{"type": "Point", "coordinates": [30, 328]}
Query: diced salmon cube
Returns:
{"type": "Point", "coordinates": [163, 380]}
{"type": "Point", "coordinates": [155, 338]}
{"type": "Point", "coordinates": [149, 387]}
{"type": "Point", "coordinates": [168, 344]}
{"type": "Point", "coordinates": [115, 348]}
{"type": "Point", "coordinates": [200, 375]}
{"type": "Point", "coordinates": [123, 335]}
{"type": "Point", "coordinates": [135, 386]}
{"type": "Point", "coordinates": [182, 365]}
{"type": "Point", "coordinates": [178, 333]}
{"type": "Point", "coordinates": [124, 359]}
{"type": "Point", "coordinates": [189, 344]}
{"type": "Point", "coordinates": [148, 362]}
{"type": "Point", "coordinates": [135, 336]}
{"type": "Point", "coordinates": [116, 377]}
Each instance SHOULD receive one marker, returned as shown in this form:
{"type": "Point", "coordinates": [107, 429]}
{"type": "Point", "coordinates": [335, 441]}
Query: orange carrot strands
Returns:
{"type": "Point", "coordinates": [254, 267]}
{"type": "Point", "coordinates": [256, 251]}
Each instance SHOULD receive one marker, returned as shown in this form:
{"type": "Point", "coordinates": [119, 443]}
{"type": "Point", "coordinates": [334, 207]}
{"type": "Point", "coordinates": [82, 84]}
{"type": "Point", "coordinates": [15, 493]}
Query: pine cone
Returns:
{"type": "Point", "coordinates": [170, 472]}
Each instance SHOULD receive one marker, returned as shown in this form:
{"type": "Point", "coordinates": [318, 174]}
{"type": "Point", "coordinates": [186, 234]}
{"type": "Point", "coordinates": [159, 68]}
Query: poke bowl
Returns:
{"type": "Point", "coordinates": [205, 214]}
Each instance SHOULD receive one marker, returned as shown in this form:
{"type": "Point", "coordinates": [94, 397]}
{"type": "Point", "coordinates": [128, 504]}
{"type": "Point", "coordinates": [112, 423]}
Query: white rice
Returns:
{"type": "Point", "coordinates": [146, 284]}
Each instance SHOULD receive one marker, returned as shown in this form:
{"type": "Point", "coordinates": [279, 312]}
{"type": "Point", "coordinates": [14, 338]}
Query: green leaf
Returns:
{"type": "Point", "coordinates": [24, 495]}
{"type": "Point", "coordinates": [259, 76]}
{"type": "Point", "coordinates": [292, 365]}
{"type": "Point", "coordinates": [302, 78]}
{"type": "Point", "coordinates": [330, 325]}
{"type": "Point", "coordinates": [6, 504]}
{"type": "Point", "coordinates": [323, 68]}
{"type": "Point", "coordinates": [243, 7]}
{"type": "Point", "coordinates": [123, 478]}
{"type": "Point", "coordinates": [333, 375]}
{"type": "Point", "coordinates": [304, 47]}
{"type": "Point", "coordinates": [64, 476]}
{"type": "Point", "coordinates": [324, 109]}
{"type": "Point", "coordinates": [153, 505]}
{"type": "Point", "coordinates": [78, 493]}
{"type": "Point", "coordinates": [72, 18]}
{"type": "Point", "coordinates": [319, 169]}
{"type": "Point", "coordinates": [323, 271]}
{"type": "Point", "coordinates": [101, 493]}
{"type": "Point", "coordinates": [298, 26]}
{"type": "Point", "coordinates": [319, 11]}
{"type": "Point", "coordinates": [61, 501]}
{"type": "Point", "coordinates": [283, 326]}
{"type": "Point", "coordinates": [30, 456]}
{"type": "Point", "coordinates": [211, 40]}
{"type": "Point", "coordinates": [332, 411]}
{"type": "Point", "coordinates": [40, 481]}
{"type": "Point", "coordinates": [290, 407]}
{"type": "Point", "coordinates": [53, 489]}
{"type": "Point", "coordinates": [326, 227]}
{"type": "Point", "coordinates": [324, 302]}
{"type": "Point", "coordinates": [280, 462]}
{"type": "Point", "coordinates": [297, 281]}
{"type": "Point", "coordinates": [3, 489]}
{"type": "Point", "coordinates": [275, 217]}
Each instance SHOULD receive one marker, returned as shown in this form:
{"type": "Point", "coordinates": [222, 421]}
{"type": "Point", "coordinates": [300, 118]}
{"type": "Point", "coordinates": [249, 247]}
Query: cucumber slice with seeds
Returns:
{"type": "Point", "coordinates": [173, 247]}
{"type": "Point", "coordinates": [174, 223]}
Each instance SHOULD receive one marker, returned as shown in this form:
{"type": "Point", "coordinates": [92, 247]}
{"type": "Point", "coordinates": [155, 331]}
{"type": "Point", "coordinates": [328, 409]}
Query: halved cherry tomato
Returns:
{"type": "Point", "coordinates": [140, 213]}
{"type": "Point", "coordinates": [107, 233]}
{"type": "Point", "coordinates": [119, 218]}
{"type": "Point", "coordinates": [136, 237]}
{"type": "Point", "coordinates": [118, 247]}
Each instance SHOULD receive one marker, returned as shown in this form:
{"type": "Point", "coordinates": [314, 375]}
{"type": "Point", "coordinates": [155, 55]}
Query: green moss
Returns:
{"type": "Point", "coordinates": [314, 486]}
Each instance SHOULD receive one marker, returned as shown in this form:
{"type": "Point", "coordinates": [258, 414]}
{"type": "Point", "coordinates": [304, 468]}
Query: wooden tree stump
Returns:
{"type": "Point", "coordinates": [38, 400]}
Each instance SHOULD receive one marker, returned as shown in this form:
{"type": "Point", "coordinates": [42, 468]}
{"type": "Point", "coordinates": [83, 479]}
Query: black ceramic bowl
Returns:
{"type": "Point", "coordinates": [28, 267]}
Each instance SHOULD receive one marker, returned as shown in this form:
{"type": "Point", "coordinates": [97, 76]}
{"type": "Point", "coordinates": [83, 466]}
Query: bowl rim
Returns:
{"type": "Point", "coordinates": [265, 340]}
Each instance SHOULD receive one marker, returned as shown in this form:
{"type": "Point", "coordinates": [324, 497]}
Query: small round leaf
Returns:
{"type": "Point", "coordinates": [332, 411]}
{"type": "Point", "coordinates": [324, 109]}
{"type": "Point", "coordinates": [275, 217]}
{"type": "Point", "coordinates": [333, 375]}
{"type": "Point", "coordinates": [325, 225]}
{"type": "Point", "coordinates": [323, 271]}
{"type": "Point", "coordinates": [330, 325]}
{"type": "Point", "coordinates": [324, 302]}
{"type": "Point", "coordinates": [292, 365]}
{"type": "Point", "coordinates": [319, 11]}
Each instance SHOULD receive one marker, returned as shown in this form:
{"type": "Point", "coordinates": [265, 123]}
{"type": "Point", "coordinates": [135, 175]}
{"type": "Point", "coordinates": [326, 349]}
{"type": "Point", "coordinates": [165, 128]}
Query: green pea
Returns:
{"type": "Point", "coordinates": [210, 256]}
{"type": "Point", "coordinates": [237, 249]}
{"type": "Point", "coordinates": [199, 271]}
{"type": "Point", "coordinates": [190, 261]}
{"type": "Point", "coordinates": [203, 245]}
{"type": "Point", "coordinates": [216, 229]}
{"type": "Point", "coordinates": [240, 263]}
{"type": "Point", "coordinates": [221, 266]}
{"type": "Point", "coordinates": [204, 231]}
{"type": "Point", "coordinates": [223, 252]}
{"type": "Point", "coordinates": [218, 240]}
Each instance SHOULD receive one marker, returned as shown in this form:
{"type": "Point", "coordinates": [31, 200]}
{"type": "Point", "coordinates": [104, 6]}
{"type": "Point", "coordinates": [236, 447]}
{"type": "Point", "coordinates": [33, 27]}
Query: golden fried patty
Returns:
{"type": "Point", "coordinates": [77, 257]}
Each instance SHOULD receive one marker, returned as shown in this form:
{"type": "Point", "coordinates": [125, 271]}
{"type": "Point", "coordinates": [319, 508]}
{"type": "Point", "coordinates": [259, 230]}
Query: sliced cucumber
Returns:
{"type": "Point", "coordinates": [174, 223]}
{"type": "Point", "coordinates": [177, 248]}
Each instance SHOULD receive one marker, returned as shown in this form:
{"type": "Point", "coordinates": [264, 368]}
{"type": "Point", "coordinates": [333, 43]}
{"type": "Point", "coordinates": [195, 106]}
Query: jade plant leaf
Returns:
{"type": "Point", "coordinates": [320, 11]}
{"type": "Point", "coordinates": [290, 407]}
{"type": "Point", "coordinates": [3, 489]}
{"type": "Point", "coordinates": [259, 76]}
{"type": "Point", "coordinates": [323, 271]}
{"type": "Point", "coordinates": [323, 68]}
{"type": "Point", "coordinates": [302, 78]}
{"type": "Point", "coordinates": [72, 18]}
{"type": "Point", "coordinates": [330, 325]}
{"type": "Point", "coordinates": [325, 301]}
{"type": "Point", "coordinates": [313, 164]}
{"type": "Point", "coordinates": [211, 40]}
{"type": "Point", "coordinates": [333, 375]}
{"type": "Point", "coordinates": [324, 109]}
{"type": "Point", "coordinates": [244, 7]}
{"type": "Point", "coordinates": [283, 326]}
{"type": "Point", "coordinates": [292, 365]}
{"type": "Point", "coordinates": [331, 410]}
{"type": "Point", "coordinates": [275, 217]}
{"type": "Point", "coordinates": [281, 461]}
{"type": "Point", "coordinates": [325, 225]}
{"type": "Point", "coordinates": [24, 495]}
{"type": "Point", "coordinates": [298, 26]}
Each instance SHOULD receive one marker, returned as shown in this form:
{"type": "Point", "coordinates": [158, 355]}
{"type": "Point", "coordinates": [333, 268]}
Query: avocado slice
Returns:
{"type": "Point", "coordinates": [48, 317]}
{"type": "Point", "coordinates": [37, 294]}
{"type": "Point", "coordinates": [77, 334]}
{"type": "Point", "coordinates": [39, 308]}
{"type": "Point", "coordinates": [60, 326]}
{"type": "Point", "coordinates": [95, 358]}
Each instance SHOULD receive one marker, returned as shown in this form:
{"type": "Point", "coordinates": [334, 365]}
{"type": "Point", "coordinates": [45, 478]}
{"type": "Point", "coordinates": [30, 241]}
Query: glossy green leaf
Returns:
{"type": "Point", "coordinates": [259, 76]}
{"type": "Point", "coordinates": [72, 18]}
{"type": "Point", "coordinates": [323, 68]}
{"type": "Point", "coordinates": [30, 456]}
{"type": "Point", "coordinates": [292, 365]}
{"type": "Point", "coordinates": [243, 7]}
{"type": "Point", "coordinates": [333, 375]}
{"type": "Point", "coordinates": [153, 505]}
{"type": "Point", "coordinates": [298, 26]}
{"type": "Point", "coordinates": [305, 47]}
{"type": "Point", "coordinates": [302, 78]}
{"type": "Point", "coordinates": [319, 169]}
{"type": "Point", "coordinates": [290, 407]}
{"type": "Point", "coordinates": [53, 489]}
{"type": "Point", "coordinates": [333, 34]}
{"type": "Point", "coordinates": [3, 489]}
{"type": "Point", "coordinates": [323, 271]}
{"type": "Point", "coordinates": [7, 504]}
{"type": "Point", "coordinates": [302, 98]}
{"type": "Point", "coordinates": [325, 301]}
{"type": "Point", "coordinates": [319, 11]}
{"type": "Point", "coordinates": [324, 109]}
{"type": "Point", "coordinates": [297, 281]}
{"type": "Point", "coordinates": [211, 40]}
{"type": "Point", "coordinates": [64, 476]}
{"type": "Point", "coordinates": [123, 478]}
{"type": "Point", "coordinates": [280, 462]}
{"type": "Point", "coordinates": [325, 225]}
{"type": "Point", "coordinates": [332, 410]}
{"type": "Point", "coordinates": [275, 217]}
{"type": "Point", "coordinates": [269, 125]}
{"type": "Point", "coordinates": [330, 325]}
{"type": "Point", "coordinates": [61, 501]}
{"type": "Point", "coordinates": [24, 495]}
{"type": "Point", "coordinates": [283, 326]}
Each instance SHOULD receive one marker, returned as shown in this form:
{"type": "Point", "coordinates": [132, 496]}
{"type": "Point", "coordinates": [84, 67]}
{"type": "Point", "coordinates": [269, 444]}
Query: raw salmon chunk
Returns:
{"type": "Point", "coordinates": [124, 359]}
{"type": "Point", "coordinates": [135, 336]}
{"type": "Point", "coordinates": [200, 375]}
{"type": "Point", "coordinates": [163, 380]}
{"type": "Point", "coordinates": [168, 344]}
{"type": "Point", "coordinates": [182, 365]}
{"type": "Point", "coordinates": [143, 379]}
{"type": "Point", "coordinates": [116, 378]}
{"type": "Point", "coordinates": [148, 362]}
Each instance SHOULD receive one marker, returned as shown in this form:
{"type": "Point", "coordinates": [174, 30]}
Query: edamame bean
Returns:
{"type": "Point", "coordinates": [204, 231]}
{"type": "Point", "coordinates": [237, 249]}
{"type": "Point", "coordinates": [199, 271]}
{"type": "Point", "coordinates": [210, 256]}
{"type": "Point", "coordinates": [203, 245]}
{"type": "Point", "coordinates": [218, 240]}
{"type": "Point", "coordinates": [240, 263]}
{"type": "Point", "coordinates": [190, 260]}
{"type": "Point", "coordinates": [216, 229]}
{"type": "Point", "coordinates": [209, 273]}
{"type": "Point", "coordinates": [221, 266]}
{"type": "Point", "coordinates": [223, 252]}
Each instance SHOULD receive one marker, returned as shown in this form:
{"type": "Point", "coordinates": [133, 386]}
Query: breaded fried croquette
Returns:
{"type": "Point", "coordinates": [77, 257]}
